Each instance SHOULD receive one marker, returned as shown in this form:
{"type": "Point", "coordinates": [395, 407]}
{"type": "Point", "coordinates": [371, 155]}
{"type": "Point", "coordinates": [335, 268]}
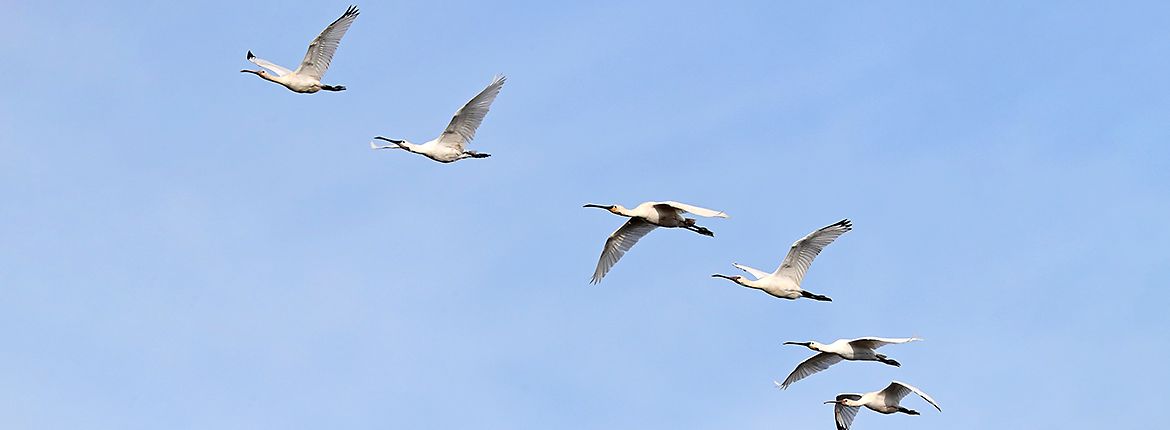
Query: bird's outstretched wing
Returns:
{"type": "Point", "coordinates": [878, 342]}
{"type": "Point", "coordinates": [703, 212]}
{"type": "Point", "coordinates": [321, 49]}
{"type": "Point", "coordinates": [752, 271]}
{"type": "Point", "coordinates": [618, 243]}
{"type": "Point", "coordinates": [273, 67]}
{"type": "Point", "coordinates": [898, 390]}
{"type": "Point", "coordinates": [468, 118]}
{"type": "Point", "coordinates": [844, 414]}
{"type": "Point", "coordinates": [803, 251]}
{"type": "Point", "coordinates": [808, 367]}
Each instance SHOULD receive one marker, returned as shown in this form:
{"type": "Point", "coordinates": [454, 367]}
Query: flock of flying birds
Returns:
{"type": "Point", "coordinates": [783, 283]}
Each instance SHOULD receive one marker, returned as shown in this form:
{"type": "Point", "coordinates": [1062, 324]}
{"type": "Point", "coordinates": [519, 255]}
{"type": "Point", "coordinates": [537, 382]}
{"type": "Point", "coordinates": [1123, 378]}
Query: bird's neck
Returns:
{"type": "Point", "coordinates": [748, 283]}
{"type": "Point", "coordinates": [271, 77]}
{"type": "Point", "coordinates": [624, 212]}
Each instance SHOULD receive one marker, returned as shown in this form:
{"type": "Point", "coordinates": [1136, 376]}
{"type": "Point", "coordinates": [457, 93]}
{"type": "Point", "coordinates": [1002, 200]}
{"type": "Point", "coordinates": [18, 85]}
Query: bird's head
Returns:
{"type": "Point", "coordinates": [617, 209]}
{"type": "Point", "coordinates": [844, 401]}
{"type": "Point", "coordinates": [810, 345]}
{"type": "Point", "coordinates": [260, 73]}
{"type": "Point", "coordinates": [399, 144]}
{"type": "Point", "coordinates": [736, 279]}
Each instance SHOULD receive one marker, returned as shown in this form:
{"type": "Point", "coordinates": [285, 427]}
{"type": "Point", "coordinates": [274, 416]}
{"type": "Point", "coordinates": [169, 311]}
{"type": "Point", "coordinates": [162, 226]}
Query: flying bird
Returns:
{"type": "Point", "coordinates": [860, 349]}
{"type": "Point", "coordinates": [307, 77]}
{"type": "Point", "coordinates": [452, 144]}
{"type": "Point", "coordinates": [643, 218]}
{"type": "Point", "coordinates": [884, 401]}
{"type": "Point", "coordinates": [784, 283]}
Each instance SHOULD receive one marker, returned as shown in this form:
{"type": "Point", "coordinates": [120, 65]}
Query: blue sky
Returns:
{"type": "Point", "coordinates": [189, 247]}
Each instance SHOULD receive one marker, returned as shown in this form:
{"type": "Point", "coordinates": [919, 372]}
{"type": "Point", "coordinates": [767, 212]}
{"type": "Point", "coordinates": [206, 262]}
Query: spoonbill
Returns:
{"type": "Point", "coordinates": [643, 218]}
{"type": "Point", "coordinates": [884, 401]}
{"type": "Point", "coordinates": [307, 77]}
{"type": "Point", "coordinates": [451, 145]}
{"type": "Point", "coordinates": [784, 283]}
{"type": "Point", "coordinates": [861, 349]}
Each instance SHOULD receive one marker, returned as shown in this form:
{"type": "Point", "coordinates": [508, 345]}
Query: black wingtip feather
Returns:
{"type": "Point", "coordinates": [250, 56]}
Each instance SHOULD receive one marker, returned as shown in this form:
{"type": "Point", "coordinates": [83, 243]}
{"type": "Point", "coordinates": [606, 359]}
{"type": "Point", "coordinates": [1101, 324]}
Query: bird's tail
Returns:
{"type": "Point", "coordinates": [888, 360]}
{"type": "Point", "coordinates": [817, 297]}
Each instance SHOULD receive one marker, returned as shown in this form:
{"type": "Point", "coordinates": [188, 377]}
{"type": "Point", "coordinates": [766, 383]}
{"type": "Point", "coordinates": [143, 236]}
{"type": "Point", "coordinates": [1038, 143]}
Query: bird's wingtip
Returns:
{"type": "Point", "coordinates": [250, 56]}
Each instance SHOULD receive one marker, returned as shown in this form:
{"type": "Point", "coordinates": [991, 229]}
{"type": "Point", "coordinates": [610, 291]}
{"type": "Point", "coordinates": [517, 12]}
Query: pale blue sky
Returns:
{"type": "Point", "coordinates": [189, 247]}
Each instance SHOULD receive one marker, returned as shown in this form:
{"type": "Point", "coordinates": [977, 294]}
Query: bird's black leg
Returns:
{"type": "Point", "coordinates": [888, 360]}
{"type": "Point", "coordinates": [690, 225]}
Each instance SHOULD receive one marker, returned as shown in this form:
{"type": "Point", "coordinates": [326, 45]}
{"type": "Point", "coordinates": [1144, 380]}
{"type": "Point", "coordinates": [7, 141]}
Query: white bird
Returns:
{"type": "Point", "coordinates": [862, 349]}
{"type": "Point", "coordinates": [307, 77]}
{"type": "Point", "coordinates": [784, 283]}
{"type": "Point", "coordinates": [884, 401]}
{"type": "Point", "coordinates": [644, 218]}
{"type": "Point", "coordinates": [451, 145]}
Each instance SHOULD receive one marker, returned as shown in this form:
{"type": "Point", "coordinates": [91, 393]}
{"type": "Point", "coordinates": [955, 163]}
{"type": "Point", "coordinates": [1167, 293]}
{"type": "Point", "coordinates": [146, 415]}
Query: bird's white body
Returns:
{"type": "Point", "coordinates": [776, 286]}
{"type": "Point", "coordinates": [860, 349]}
{"type": "Point", "coordinates": [784, 283]}
{"type": "Point", "coordinates": [452, 144]}
{"type": "Point", "coordinates": [294, 82]}
{"type": "Point", "coordinates": [297, 82]}
{"type": "Point", "coordinates": [864, 348]}
{"type": "Point", "coordinates": [306, 79]}
{"type": "Point", "coordinates": [886, 401]}
{"type": "Point", "coordinates": [432, 149]}
{"type": "Point", "coordinates": [657, 213]}
{"type": "Point", "coordinates": [643, 219]}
